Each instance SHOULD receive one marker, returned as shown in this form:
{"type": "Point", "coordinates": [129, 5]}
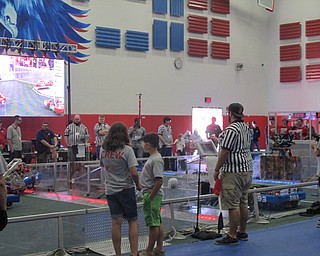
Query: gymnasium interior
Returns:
{"type": "Point", "coordinates": [186, 59]}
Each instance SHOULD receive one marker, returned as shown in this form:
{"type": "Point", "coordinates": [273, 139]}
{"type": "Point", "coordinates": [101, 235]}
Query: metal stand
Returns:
{"type": "Point", "coordinates": [198, 198]}
{"type": "Point", "coordinates": [257, 217]}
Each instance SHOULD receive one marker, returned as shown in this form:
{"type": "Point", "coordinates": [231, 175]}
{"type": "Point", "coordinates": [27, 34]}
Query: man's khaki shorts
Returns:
{"type": "Point", "coordinates": [235, 188]}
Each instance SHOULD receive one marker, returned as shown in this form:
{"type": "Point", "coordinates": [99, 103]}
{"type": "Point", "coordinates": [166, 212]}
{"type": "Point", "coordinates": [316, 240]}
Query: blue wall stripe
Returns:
{"type": "Point", "coordinates": [160, 6]}
{"type": "Point", "coordinates": [177, 37]}
{"type": "Point", "coordinates": [160, 34]}
{"type": "Point", "coordinates": [177, 8]}
{"type": "Point", "coordinates": [137, 41]}
{"type": "Point", "coordinates": [108, 37]}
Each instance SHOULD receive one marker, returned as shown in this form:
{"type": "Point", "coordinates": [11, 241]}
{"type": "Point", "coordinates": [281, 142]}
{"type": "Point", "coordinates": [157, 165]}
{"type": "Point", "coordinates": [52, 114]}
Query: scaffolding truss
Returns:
{"type": "Point", "coordinates": [14, 46]}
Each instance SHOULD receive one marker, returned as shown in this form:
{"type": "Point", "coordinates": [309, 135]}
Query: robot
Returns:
{"type": "Point", "coordinates": [20, 177]}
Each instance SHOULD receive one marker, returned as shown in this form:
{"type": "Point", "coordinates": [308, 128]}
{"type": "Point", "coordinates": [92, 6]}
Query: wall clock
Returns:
{"type": "Point", "coordinates": [178, 63]}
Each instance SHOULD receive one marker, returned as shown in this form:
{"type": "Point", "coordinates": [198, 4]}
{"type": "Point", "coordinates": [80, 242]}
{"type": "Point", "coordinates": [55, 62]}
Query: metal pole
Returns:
{"type": "Point", "coordinates": [198, 196]}
{"type": "Point", "coordinates": [69, 91]}
{"type": "Point", "coordinates": [139, 105]}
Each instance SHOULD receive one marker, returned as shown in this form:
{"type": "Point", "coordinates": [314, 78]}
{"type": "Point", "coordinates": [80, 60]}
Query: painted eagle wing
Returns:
{"type": "Point", "coordinates": [52, 21]}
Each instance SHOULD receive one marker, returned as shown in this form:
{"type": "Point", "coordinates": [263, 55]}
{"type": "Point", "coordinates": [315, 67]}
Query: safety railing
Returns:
{"type": "Point", "coordinates": [58, 224]}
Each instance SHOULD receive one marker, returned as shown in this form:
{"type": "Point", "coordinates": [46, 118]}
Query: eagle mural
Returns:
{"type": "Point", "coordinates": [45, 20]}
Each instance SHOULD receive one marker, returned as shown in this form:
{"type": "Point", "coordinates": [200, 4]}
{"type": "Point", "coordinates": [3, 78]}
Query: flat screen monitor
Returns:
{"type": "Point", "coordinates": [31, 86]}
{"type": "Point", "coordinates": [206, 148]}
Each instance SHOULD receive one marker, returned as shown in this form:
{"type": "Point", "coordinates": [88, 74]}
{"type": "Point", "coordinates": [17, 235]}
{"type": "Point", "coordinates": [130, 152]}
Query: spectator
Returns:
{"type": "Point", "coordinates": [165, 136]}
{"type": "Point", "coordinates": [119, 161]}
{"type": "Point", "coordinates": [255, 137]}
{"type": "Point", "coordinates": [213, 131]}
{"type": "Point", "coordinates": [14, 139]}
{"type": "Point", "coordinates": [180, 145]}
{"type": "Point", "coordinates": [136, 133]}
{"type": "Point", "coordinates": [270, 130]}
{"type": "Point", "coordinates": [284, 128]}
{"type": "Point", "coordinates": [299, 131]}
{"type": "Point", "coordinates": [151, 183]}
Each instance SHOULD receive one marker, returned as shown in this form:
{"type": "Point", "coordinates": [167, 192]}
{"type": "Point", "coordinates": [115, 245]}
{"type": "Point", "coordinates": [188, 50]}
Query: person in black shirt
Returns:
{"type": "Point", "coordinates": [46, 144]}
{"type": "Point", "coordinates": [213, 130]}
{"type": "Point", "coordinates": [255, 137]}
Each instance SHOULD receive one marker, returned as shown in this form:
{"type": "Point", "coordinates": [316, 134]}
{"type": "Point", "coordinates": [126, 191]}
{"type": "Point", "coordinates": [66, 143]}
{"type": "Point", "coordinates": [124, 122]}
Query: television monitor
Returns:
{"type": "Point", "coordinates": [31, 86]}
{"type": "Point", "coordinates": [206, 148]}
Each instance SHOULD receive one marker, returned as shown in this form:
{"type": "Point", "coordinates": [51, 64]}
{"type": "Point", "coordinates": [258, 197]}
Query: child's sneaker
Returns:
{"type": "Point", "coordinates": [227, 240]}
{"type": "Point", "coordinates": [242, 236]}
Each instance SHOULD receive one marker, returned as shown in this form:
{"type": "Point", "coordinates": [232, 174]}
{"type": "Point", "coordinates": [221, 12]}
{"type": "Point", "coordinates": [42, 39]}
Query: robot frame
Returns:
{"type": "Point", "coordinates": [19, 177]}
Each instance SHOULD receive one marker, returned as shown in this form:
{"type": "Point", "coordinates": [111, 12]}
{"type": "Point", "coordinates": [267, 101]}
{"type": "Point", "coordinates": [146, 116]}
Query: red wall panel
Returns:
{"type": "Point", "coordinates": [313, 72]}
{"type": "Point", "coordinates": [290, 30]}
{"type": "Point", "coordinates": [198, 4]}
{"type": "Point", "coordinates": [290, 52]}
{"type": "Point", "coordinates": [220, 6]}
{"type": "Point", "coordinates": [290, 74]}
{"type": "Point", "coordinates": [312, 50]}
{"type": "Point", "coordinates": [198, 24]}
{"type": "Point", "coordinates": [312, 28]}
{"type": "Point", "coordinates": [180, 124]}
{"type": "Point", "coordinates": [198, 47]}
{"type": "Point", "coordinates": [220, 27]}
{"type": "Point", "coordinates": [220, 50]}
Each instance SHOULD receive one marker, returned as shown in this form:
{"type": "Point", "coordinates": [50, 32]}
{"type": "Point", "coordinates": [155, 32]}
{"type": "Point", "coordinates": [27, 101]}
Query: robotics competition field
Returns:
{"type": "Point", "coordinates": [70, 197]}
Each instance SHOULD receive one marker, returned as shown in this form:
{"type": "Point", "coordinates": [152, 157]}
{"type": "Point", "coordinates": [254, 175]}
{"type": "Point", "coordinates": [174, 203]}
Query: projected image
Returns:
{"type": "Point", "coordinates": [202, 117]}
{"type": "Point", "coordinates": [31, 86]}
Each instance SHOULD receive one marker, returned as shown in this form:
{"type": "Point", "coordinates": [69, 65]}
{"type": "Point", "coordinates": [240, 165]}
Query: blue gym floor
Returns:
{"type": "Point", "coordinates": [300, 238]}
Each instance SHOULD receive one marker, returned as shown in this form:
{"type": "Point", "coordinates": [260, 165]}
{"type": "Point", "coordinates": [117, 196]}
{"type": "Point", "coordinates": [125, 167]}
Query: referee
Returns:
{"type": "Point", "coordinates": [76, 135]}
{"type": "Point", "coordinates": [234, 166]}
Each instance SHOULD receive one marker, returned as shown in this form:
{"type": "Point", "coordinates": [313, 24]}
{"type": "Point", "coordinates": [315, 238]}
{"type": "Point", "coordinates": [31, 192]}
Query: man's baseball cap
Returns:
{"type": "Point", "coordinates": [236, 109]}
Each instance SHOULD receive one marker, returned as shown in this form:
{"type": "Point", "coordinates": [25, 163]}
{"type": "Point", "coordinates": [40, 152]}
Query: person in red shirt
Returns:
{"type": "Point", "coordinates": [283, 129]}
{"type": "Point", "coordinates": [300, 131]}
{"type": "Point", "coordinates": [3, 137]}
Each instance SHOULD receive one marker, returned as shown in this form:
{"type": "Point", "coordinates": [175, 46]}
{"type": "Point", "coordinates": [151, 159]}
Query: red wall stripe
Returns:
{"type": "Point", "coordinates": [312, 50]}
{"type": "Point", "coordinates": [290, 52]}
{"type": "Point", "coordinates": [220, 6]}
{"type": "Point", "coordinates": [198, 24]}
{"type": "Point", "coordinates": [313, 72]}
{"type": "Point", "coordinates": [198, 4]}
{"type": "Point", "coordinates": [198, 47]}
{"type": "Point", "coordinates": [290, 74]}
{"type": "Point", "coordinates": [312, 28]}
{"type": "Point", "coordinates": [290, 30]}
{"type": "Point", "coordinates": [220, 27]}
{"type": "Point", "coordinates": [220, 50]}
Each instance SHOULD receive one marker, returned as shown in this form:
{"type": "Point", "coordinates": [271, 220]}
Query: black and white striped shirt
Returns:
{"type": "Point", "coordinates": [237, 139]}
{"type": "Point", "coordinates": [76, 134]}
{"type": "Point", "coordinates": [97, 128]}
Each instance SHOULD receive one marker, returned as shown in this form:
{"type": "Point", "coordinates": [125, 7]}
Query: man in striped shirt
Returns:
{"type": "Point", "coordinates": [235, 168]}
{"type": "Point", "coordinates": [76, 135]}
{"type": "Point", "coordinates": [101, 130]}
